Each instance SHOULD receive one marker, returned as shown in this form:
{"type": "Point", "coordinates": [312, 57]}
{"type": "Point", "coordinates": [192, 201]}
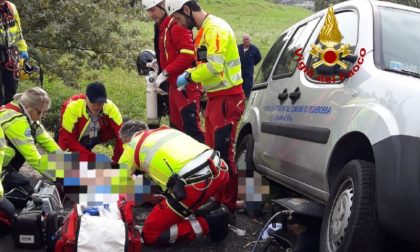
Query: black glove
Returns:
{"type": "Point", "coordinates": [115, 165]}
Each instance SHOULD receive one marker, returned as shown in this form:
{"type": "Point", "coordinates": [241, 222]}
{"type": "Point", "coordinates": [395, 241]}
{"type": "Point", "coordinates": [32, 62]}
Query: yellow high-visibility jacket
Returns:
{"type": "Point", "coordinates": [163, 152]}
{"type": "Point", "coordinates": [223, 67]}
{"type": "Point", "coordinates": [13, 35]}
{"type": "Point", "coordinates": [17, 129]}
{"type": "Point", "coordinates": [3, 146]}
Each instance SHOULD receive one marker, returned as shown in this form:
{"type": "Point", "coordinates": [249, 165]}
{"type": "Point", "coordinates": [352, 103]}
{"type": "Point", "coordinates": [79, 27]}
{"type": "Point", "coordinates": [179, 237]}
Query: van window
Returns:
{"type": "Point", "coordinates": [270, 59]}
{"type": "Point", "coordinates": [348, 26]}
{"type": "Point", "coordinates": [399, 39]}
{"type": "Point", "coordinates": [287, 63]}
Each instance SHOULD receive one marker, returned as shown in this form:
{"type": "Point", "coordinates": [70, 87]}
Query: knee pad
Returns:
{"type": "Point", "coordinates": [163, 105]}
{"type": "Point", "coordinates": [218, 221]}
{"type": "Point", "coordinates": [190, 121]}
{"type": "Point", "coordinates": [222, 141]}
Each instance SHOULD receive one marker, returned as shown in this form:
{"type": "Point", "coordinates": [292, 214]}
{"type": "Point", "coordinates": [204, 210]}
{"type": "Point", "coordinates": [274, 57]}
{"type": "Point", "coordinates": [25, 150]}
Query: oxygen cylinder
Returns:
{"type": "Point", "coordinates": [151, 98]}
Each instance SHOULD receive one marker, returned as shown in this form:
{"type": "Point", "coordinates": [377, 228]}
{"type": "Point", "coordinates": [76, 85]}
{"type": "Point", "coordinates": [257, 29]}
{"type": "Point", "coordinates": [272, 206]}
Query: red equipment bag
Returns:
{"type": "Point", "coordinates": [81, 232]}
{"type": "Point", "coordinates": [7, 216]}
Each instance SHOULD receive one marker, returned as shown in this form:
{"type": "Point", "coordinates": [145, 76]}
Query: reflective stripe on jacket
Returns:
{"type": "Point", "coordinates": [164, 152]}
{"type": "Point", "coordinates": [223, 67]}
{"type": "Point", "coordinates": [176, 49]}
{"type": "Point", "coordinates": [75, 119]}
{"type": "Point", "coordinates": [18, 131]}
{"type": "Point", "coordinates": [14, 32]}
{"type": "Point", "coordinates": [3, 146]}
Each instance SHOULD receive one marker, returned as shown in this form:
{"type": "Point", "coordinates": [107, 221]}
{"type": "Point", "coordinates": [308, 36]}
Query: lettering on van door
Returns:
{"type": "Point", "coordinates": [285, 113]}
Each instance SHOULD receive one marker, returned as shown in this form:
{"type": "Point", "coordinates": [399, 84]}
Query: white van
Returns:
{"type": "Point", "coordinates": [337, 119]}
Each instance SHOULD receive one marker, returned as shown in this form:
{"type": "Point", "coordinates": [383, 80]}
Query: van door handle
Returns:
{"type": "Point", "coordinates": [294, 96]}
{"type": "Point", "coordinates": [283, 96]}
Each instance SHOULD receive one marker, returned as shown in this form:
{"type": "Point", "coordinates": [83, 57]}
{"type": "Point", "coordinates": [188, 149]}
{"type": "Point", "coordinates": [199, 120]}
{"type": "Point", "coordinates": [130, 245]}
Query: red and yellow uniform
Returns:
{"type": "Point", "coordinates": [176, 54]}
{"type": "Point", "coordinates": [75, 120]}
{"type": "Point", "coordinates": [220, 75]}
{"type": "Point", "coordinates": [160, 154]}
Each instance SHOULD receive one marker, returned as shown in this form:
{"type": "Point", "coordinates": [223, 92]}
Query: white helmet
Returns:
{"type": "Point", "coordinates": [172, 6]}
{"type": "Point", "coordinates": [147, 4]}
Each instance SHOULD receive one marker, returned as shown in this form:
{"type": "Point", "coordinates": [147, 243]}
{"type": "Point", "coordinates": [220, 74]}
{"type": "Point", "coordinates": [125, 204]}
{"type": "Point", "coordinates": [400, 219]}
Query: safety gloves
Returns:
{"type": "Point", "coordinates": [183, 80]}
{"type": "Point", "coordinates": [24, 55]}
{"type": "Point", "coordinates": [162, 77]}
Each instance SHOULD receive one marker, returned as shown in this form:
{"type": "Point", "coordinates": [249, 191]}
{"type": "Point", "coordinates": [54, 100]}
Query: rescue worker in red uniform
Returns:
{"type": "Point", "coordinates": [188, 171]}
{"type": "Point", "coordinates": [218, 69]}
{"type": "Point", "coordinates": [90, 119]}
{"type": "Point", "coordinates": [175, 53]}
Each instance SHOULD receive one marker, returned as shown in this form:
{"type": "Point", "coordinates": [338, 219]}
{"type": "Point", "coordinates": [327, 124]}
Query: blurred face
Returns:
{"type": "Point", "coordinates": [156, 14]}
{"type": "Point", "coordinates": [247, 41]}
{"type": "Point", "coordinates": [183, 20]}
{"type": "Point", "coordinates": [125, 139]}
{"type": "Point", "coordinates": [95, 108]}
{"type": "Point", "coordinates": [37, 114]}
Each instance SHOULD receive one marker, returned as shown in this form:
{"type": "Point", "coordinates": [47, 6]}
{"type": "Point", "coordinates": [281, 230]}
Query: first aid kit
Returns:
{"type": "Point", "coordinates": [105, 228]}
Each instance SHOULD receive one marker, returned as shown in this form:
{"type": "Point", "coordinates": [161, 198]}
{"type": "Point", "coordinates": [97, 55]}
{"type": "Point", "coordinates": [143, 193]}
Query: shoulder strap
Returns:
{"type": "Point", "coordinates": [138, 146]}
{"type": "Point", "coordinates": [13, 107]}
{"type": "Point", "coordinates": [146, 133]}
{"type": "Point", "coordinates": [10, 106]}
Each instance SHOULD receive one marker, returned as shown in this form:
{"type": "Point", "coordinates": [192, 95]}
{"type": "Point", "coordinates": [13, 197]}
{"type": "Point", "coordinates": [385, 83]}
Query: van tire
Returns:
{"type": "Point", "coordinates": [246, 147]}
{"type": "Point", "coordinates": [353, 225]}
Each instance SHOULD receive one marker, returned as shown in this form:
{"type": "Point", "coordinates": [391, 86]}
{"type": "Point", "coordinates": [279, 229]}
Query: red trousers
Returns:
{"type": "Point", "coordinates": [105, 135]}
{"type": "Point", "coordinates": [163, 225]}
{"type": "Point", "coordinates": [221, 119]}
{"type": "Point", "coordinates": [184, 109]}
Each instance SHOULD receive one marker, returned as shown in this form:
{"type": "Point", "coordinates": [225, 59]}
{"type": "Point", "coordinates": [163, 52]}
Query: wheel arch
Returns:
{"type": "Point", "coordinates": [354, 145]}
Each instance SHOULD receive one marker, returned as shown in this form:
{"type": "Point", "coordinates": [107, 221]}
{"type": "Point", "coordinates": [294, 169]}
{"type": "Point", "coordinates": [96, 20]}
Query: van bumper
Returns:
{"type": "Point", "coordinates": [397, 162]}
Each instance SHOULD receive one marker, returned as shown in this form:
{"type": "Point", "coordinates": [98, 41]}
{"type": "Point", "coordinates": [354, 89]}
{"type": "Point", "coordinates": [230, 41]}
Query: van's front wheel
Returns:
{"type": "Point", "coordinates": [350, 221]}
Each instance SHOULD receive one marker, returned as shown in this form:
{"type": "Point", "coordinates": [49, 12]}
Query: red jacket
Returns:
{"type": "Point", "coordinates": [74, 119]}
{"type": "Point", "coordinates": [176, 49]}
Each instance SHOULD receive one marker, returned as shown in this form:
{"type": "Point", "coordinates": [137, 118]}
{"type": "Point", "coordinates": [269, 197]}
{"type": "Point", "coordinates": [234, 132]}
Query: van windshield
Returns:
{"type": "Point", "coordinates": [400, 37]}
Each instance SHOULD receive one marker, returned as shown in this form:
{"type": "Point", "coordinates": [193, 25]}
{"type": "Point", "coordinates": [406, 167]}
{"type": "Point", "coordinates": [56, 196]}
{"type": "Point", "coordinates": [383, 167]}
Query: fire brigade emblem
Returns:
{"type": "Point", "coordinates": [330, 51]}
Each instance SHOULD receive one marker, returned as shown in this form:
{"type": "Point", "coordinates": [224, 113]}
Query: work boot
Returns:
{"type": "Point", "coordinates": [207, 207]}
{"type": "Point", "coordinates": [218, 221]}
{"type": "Point", "coordinates": [232, 216]}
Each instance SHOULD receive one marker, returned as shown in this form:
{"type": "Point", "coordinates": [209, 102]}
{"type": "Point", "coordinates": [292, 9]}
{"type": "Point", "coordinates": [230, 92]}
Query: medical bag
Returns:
{"type": "Point", "coordinates": [110, 229]}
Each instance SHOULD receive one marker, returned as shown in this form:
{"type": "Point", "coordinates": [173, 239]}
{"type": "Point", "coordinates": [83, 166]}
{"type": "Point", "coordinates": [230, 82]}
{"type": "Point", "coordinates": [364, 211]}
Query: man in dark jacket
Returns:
{"type": "Point", "coordinates": [250, 56]}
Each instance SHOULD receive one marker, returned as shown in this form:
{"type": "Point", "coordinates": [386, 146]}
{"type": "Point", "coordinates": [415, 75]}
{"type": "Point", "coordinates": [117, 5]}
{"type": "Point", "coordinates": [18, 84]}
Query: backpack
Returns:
{"type": "Point", "coordinates": [83, 232]}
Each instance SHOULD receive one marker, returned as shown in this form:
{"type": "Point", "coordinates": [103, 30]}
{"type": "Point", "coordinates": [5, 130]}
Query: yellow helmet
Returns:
{"type": "Point", "coordinates": [25, 70]}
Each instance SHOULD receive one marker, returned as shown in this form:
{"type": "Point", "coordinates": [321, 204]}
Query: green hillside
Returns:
{"type": "Point", "coordinates": [263, 20]}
